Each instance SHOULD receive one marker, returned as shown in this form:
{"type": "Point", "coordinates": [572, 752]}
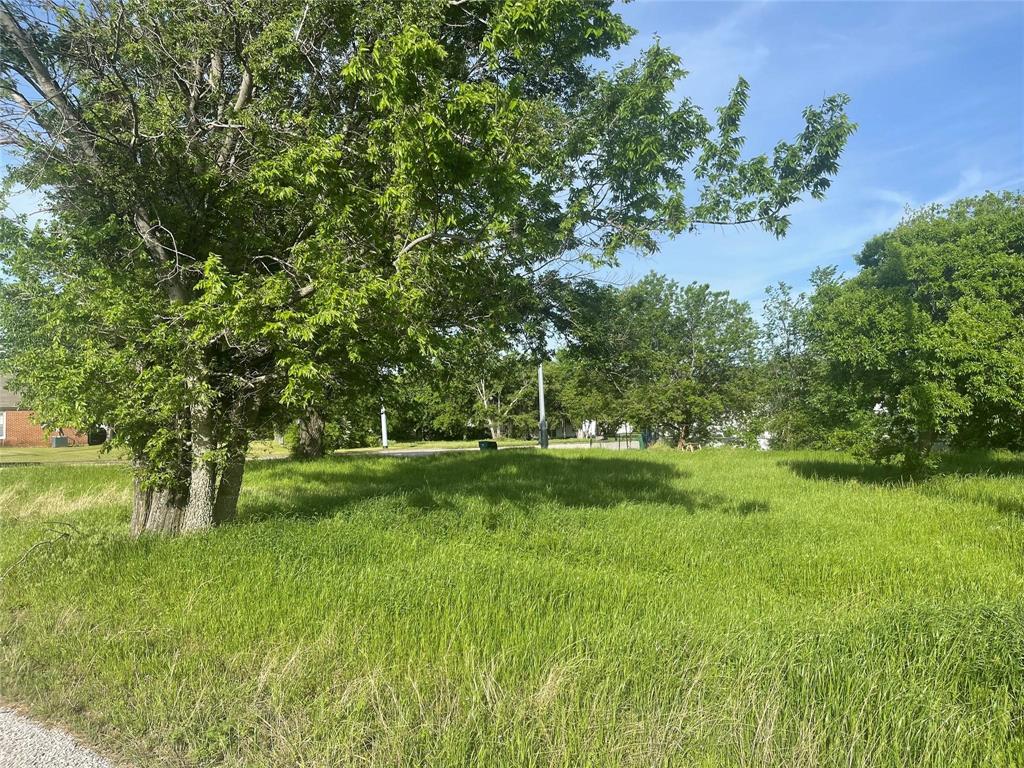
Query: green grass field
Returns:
{"type": "Point", "coordinates": [260, 449]}
{"type": "Point", "coordinates": [91, 454]}
{"type": "Point", "coordinates": [723, 608]}
{"type": "Point", "coordinates": [79, 454]}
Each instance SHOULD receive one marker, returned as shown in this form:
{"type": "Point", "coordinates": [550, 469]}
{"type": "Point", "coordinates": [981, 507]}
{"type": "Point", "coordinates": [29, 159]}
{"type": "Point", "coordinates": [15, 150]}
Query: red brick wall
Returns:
{"type": "Point", "coordinates": [22, 432]}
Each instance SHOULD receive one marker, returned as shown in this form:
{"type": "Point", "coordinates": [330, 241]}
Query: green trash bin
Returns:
{"type": "Point", "coordinates": [488, 445]}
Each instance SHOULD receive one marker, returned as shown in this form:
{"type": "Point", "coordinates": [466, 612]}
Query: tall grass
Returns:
{"type": "Point", "coordinates": [725, 608]}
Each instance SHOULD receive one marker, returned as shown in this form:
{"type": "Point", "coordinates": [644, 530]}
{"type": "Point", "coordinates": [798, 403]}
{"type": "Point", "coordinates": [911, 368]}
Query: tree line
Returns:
{"type": "Point", "coordinates": [921, 348]}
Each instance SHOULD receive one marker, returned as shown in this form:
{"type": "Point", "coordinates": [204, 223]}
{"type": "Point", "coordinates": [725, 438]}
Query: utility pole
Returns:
{"type": "Point", "coordinates": [543, 415]}
{"type": "Point", "coordinates": [383, 427]}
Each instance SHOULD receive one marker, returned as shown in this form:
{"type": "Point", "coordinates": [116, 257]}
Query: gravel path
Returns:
{"type": "Point", "coordinates": [25, 744]}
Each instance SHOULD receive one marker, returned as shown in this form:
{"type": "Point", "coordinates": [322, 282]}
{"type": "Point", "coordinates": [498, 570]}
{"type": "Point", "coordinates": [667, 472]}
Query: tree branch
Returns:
{"type": "Point", "coordinates": [241, 100]}
{"type": "Point", "coordinates": [47, 85]}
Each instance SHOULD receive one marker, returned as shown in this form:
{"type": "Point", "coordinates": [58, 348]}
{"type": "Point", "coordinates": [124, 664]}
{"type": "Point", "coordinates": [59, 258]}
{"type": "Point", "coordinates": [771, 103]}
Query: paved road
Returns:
{"type": "Point", "coordinates": [606, 445]}
{"type": "Point", "coordinates": [610, 445]}
{"type": "Point", "coordinates": [26, 744]}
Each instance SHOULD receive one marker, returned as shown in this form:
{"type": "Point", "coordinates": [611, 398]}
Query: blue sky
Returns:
{"type": "Point", "coordinates": [937, 89]}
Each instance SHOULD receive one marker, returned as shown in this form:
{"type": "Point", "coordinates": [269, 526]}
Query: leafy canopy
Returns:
{"type": "Point", "coordinates": [929, 335]}
{"type": "Point", "coordinates": [253, 203]}
{"type": "Point", "coordinates": [663, 356]}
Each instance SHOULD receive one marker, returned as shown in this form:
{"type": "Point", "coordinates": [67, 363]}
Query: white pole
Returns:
{"type": "Point", "coordinates": [543, 415]}
{"type": "Point", "coordinates": [383, 427]}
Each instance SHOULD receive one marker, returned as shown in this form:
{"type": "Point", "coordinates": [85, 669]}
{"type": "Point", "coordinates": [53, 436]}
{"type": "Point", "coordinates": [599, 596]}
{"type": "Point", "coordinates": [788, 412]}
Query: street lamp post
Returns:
{"type": "Point", "coordinates": [543, 415]}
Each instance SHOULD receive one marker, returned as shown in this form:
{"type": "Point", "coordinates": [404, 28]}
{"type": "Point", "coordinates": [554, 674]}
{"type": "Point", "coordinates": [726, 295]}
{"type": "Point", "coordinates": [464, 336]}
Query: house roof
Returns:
{"type": "Point", "coordinates": [8, 400]}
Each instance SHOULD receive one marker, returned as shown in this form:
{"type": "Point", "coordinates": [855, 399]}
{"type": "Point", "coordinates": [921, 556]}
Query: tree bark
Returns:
{"type": "Point", "coordinates": [310, 444]}
{"type": "Point", "coordinates": [157, 510]}
{"type": "Point", "coordinates": [202, 485]}
{"type": "Point", "coordinates": [230, 487]}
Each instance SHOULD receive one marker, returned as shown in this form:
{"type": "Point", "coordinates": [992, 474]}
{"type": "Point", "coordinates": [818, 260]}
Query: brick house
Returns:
{"type": "Point", "coordinates": [17, 430]}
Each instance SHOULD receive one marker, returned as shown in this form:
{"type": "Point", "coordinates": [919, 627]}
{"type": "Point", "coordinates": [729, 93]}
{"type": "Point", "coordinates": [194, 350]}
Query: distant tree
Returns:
{"type": "Point", "coordinates": [345, 416]}
{"type": "Point", "coordinates": [676, 359]}
{"type": "Point", "coordinates": [928, 339]}
{"type": "Point", "coordinates": [799, 406]}
{"type": "Point", "coordinates": [477, 383]}
{"type": "Point", "coordinates": [785, 371]}
{"type": "Point", "coordinates": [584, 396]}
{"type": "Point", "coordinates": [591, 374]}
{"type": "Point", "coordinates": [250, 202]}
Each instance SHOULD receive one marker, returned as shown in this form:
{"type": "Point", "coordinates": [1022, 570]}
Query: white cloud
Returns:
{"type": "Point", "coordinates": [714, 55]}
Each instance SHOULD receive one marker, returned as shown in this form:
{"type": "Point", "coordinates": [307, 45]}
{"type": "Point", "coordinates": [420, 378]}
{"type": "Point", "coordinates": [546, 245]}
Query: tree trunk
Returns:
{"type": "Point", "coordinates": [202, 486]}
{"type": "Point", "coordinates": [681, 444]}
{"type": "Point", "coordinates": [310, 444]}
{"type": "Point", "coordinates": [157, 510]}
{"type": "Point", "coordinates": [230, 487]}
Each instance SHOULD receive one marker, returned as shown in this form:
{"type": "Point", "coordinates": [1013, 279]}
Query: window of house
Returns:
{"type": "Point", "coordinates": [3, 425]}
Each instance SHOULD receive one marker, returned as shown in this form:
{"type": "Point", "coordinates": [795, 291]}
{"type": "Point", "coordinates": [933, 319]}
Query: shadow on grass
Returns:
{"type": "Point", "coordinates": [844, 469]}
{"type": "Point", "coordinates": [1008, 506]}
{"type": "Point", "coordinates": [447, 482]}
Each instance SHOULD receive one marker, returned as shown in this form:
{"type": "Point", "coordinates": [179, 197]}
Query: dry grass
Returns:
{"type": "Point", "coordinates": [24, 498]}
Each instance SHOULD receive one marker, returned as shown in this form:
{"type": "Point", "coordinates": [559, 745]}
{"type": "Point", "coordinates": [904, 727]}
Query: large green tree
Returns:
{"type": "Point", "coordinates": [250, 202]}
{"type": "Point", "coordinates": [677, 359]}
{"type": "Point", "coordinates": [927, 340]}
